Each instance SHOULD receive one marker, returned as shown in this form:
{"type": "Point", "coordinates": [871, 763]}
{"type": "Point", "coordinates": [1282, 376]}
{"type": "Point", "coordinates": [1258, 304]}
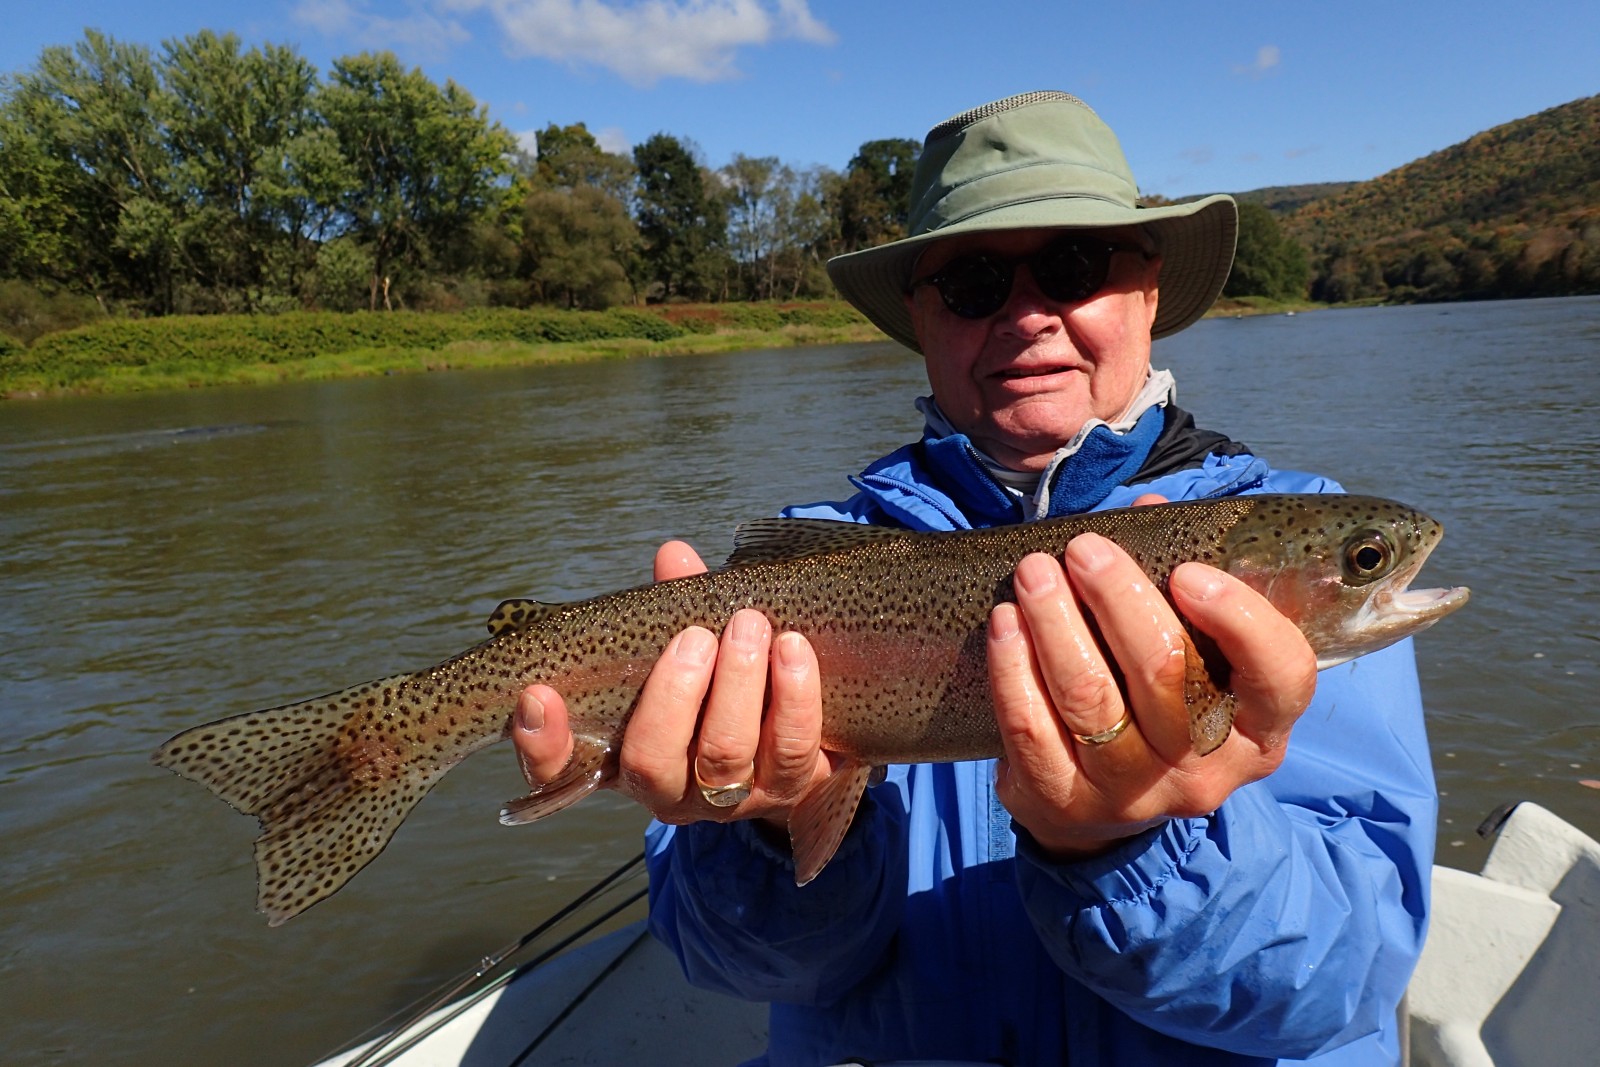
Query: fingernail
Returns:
{"type": "Point", "coordinates": [1090, 552]}
{"type": "Point", "coordinates": [530, 714]}
{"type": "Point", "coordinates": [1036, 575]}
{"type": "Point", "coordinates": [1003, 622]}
{"type": "Point", "coordinates": [1201, 583]}
{"type": "Point", "coordinates": [791, 651]}
{"type": "Point", "coordinates": [747, 627]}
{"type": "Point", "coordinates": [694, 647]}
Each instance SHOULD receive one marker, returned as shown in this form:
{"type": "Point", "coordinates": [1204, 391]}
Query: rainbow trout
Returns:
{"type": "Point", "coordinates": [897, 620]}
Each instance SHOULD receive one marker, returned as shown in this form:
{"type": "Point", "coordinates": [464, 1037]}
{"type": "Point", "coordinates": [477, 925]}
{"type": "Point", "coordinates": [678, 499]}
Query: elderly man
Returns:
{"type": "Point", "coordinates": [1100, 894]}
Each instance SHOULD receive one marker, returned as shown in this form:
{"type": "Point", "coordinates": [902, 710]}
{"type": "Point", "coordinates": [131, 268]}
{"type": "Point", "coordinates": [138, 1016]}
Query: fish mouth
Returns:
{"type": "Point", "coordinates": [1389, 617]}
{"type": "Point", "coordinates": [1429, 604]}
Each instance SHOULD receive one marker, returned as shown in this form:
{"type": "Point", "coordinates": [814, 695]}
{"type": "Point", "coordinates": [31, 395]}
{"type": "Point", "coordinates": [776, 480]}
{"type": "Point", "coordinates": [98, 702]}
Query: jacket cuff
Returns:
{"type": "Point", "coordinates": [1131, 871]}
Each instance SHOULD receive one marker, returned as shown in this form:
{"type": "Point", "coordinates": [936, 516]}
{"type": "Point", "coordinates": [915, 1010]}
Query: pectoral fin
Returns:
{"type": "Point", "coordinates": [1208, 694]}
{"type": "Point", "coordinates": [819, 822]}
{"type": "Point", "coordinates": [590, 765]}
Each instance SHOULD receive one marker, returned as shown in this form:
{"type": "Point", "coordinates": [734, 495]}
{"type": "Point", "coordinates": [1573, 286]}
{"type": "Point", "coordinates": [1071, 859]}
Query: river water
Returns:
{"type": "Point", "coordinates": [170, 559]}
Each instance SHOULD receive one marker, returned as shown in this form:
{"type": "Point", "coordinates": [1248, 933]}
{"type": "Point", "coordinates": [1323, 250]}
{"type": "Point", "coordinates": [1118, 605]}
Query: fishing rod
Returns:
{"type": "Point", "coordinates": [384, 1051]}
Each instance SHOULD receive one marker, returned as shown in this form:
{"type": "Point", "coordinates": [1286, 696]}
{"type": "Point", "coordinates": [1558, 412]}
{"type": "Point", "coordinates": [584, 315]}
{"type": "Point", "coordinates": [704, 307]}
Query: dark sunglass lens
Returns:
{"type": "Point", "coordinates": [1072, 270]}
{"type": "Point", "coordinates": [974, 287]}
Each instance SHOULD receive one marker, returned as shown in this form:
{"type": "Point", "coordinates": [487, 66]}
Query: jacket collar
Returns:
{"type": "Point", "coordinates": [943, 481]}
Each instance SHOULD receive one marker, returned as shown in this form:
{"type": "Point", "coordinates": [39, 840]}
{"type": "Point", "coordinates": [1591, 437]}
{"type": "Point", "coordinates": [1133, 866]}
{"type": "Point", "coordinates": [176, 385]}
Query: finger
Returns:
{"type": "Point", "coordinates": [676, 559]}
{"type": "Point", "coordinates": [1146, 499]}
{"type": "Point", "coordinates": [730, 727]}
{"type": "Point", "coordinates": [791, 736]}
{"type": "Point", "coordinates": [1077, 677]}
{"type": "Point", "coordinates": [654, 758]}
{"type": "Point", "coordinates": [1032, 736]}
{"type": "Point", "coordinates": [1142, 636]}
{"type": "Point", "coordinates": [542, 739]}
{"type": "Point", "coordinates": [1274, 669]}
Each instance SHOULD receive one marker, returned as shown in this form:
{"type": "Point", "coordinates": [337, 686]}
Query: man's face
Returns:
{"type": "Point", "coordinates": [1022, 381]}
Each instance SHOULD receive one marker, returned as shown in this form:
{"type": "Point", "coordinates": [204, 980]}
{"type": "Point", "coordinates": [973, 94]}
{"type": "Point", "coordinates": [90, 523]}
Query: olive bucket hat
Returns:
{"type": "Point", "coordinates": [1036, 160]}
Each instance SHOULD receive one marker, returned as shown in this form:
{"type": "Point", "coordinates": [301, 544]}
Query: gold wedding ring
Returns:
{"type": "Point", "coordinates": [1104, 735]}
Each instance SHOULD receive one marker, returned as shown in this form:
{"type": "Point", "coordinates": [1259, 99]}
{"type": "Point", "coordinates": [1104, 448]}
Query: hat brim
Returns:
{"type": "Point", "coordinates": [1196, 240]}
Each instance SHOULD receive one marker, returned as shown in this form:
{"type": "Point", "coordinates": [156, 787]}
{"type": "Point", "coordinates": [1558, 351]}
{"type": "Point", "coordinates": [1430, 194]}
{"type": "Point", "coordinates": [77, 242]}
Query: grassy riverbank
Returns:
{"type": "Point", "coordinates": [187, 352]}
{"type": "Point", "coordinates": [182, 352]}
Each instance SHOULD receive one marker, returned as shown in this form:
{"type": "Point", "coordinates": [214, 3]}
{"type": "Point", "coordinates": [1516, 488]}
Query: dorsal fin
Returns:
{"type": "Point", "coordinates": [775, 540]}
{"type": "Point", "coordinates": [515, 614]}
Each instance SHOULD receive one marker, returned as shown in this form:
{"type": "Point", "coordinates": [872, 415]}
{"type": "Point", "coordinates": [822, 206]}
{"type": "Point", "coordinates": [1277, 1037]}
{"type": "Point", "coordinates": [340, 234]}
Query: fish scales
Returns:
{"type": "Point", "coordinates": [897, 619]}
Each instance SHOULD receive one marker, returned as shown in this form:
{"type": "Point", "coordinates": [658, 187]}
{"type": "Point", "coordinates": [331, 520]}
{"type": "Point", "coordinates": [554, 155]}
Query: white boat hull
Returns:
{"type": "Point", "coordinates": [1510, 977]}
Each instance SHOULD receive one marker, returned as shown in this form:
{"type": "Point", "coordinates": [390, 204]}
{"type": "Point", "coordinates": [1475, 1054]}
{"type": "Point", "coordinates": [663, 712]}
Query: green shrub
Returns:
{"type": "Point", "coordinates": [753, 316]}
{"type": "Point", "coordinates": [28, 312]}
{"type": "Point", "coordinates": [220, 341]}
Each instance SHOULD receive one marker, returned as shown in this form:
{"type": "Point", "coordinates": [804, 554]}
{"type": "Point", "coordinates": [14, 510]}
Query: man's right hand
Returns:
{"type": "Point", "coordinates": [747, 708]}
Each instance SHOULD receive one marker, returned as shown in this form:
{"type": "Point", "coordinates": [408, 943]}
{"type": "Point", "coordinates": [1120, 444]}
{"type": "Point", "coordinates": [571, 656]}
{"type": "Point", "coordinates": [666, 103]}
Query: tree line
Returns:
{"type": "Point", "coordinates": [205, 177]}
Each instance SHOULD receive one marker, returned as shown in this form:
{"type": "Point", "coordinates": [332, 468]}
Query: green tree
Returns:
{"type": "Point", "coordinates": [779, 228]}
{"type": "Point", "coordinates": [873, 203]}
{"type": "Point", "coordinates": [577, 239]}
{"type": "Point", "coordinates": [569, 157]}
{"type": "Point", "coordinates": [1267, 262]}
{"type": "Point", "coordinates": [97, 111]}
{"type": "Point", "coordinates": [682, 224]}
{"type": "Point", "coordinates": [36, 191]}
{"type": "Point", "coordinates": [756, 193]}
{"type": "Point", "coordinates": [238, 121]}
{"type": "Point", "coordinates": [811, 231]}
{"type": "Point", "coordinates": [426, 162]}
{"type": "Point", "coordinates": [576, 244]}
{"type": "Point", "coordinates": [1349, 276]}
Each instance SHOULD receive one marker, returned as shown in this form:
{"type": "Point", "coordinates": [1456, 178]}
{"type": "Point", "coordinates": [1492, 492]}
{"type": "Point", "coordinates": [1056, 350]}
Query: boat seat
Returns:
{"type": "Point", "coordinates": [1511, 969]}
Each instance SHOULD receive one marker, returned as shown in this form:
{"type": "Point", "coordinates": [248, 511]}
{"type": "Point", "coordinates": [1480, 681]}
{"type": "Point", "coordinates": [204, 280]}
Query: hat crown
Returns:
{"type": "Point", "coordinates": [1030, 147]}
{"type": "Point", "coordinates": [1037, 161]}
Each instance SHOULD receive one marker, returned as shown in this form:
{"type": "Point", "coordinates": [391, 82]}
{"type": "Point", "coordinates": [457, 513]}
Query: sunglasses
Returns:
{"type": "Point", "coordinates": [1068, 270]}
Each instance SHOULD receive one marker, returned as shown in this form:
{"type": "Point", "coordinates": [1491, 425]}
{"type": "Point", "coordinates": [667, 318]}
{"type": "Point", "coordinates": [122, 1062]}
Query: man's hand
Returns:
{"type": "Point", "coordinates": [705, 712]}
{"type": "Point", "coordinates": [1051, 677]}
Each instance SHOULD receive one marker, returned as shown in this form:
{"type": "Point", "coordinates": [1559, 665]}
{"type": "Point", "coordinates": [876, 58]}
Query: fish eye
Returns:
{"type": "Point", "coordinates": [1368, 557]}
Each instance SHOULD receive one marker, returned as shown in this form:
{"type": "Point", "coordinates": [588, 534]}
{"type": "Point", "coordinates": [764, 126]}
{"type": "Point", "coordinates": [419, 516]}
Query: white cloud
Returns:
{"type": "Point", "coordinates": [642, 41]}
{"type": "Point", "coordinates": [649, 40]}
{"type": "Point", "coordinates": [802, 24]}
{"type": "Point", "coordinates": [421, 33]}
{"type": "Point", "coordinates": [1267, 58]}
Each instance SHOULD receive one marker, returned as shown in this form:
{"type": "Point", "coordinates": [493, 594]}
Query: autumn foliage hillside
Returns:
{"type": "Point", "coordinates": [1513, 211]}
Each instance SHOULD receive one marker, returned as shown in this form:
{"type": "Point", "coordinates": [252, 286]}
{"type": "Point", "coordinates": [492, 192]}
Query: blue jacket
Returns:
{"type": "Point", "coordinates": [1284, 926]}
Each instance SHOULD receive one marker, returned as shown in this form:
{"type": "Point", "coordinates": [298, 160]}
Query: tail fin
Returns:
{"type": "Point", "coordinates": [329, 796]}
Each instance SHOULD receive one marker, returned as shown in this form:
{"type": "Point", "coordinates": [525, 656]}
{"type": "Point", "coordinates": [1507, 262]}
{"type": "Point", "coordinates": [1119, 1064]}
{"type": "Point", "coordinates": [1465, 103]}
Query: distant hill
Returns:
{"type": "Point", "coordinates": [1283, 199]}
{"type": "Point", "coordinates": [1513, 211]}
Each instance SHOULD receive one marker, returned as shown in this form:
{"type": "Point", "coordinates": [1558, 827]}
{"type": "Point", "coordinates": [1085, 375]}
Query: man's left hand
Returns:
{"type": "Point", "coordinates": [1051, 678]}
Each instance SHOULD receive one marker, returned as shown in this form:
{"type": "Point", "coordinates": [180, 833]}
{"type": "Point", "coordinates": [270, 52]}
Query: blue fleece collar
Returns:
{"type": "Point", "coordinates": [1105, 460]}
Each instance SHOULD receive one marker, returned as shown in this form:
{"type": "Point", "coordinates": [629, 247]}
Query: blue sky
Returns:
{"type": "Point", "coordinates": [1218, 96]}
